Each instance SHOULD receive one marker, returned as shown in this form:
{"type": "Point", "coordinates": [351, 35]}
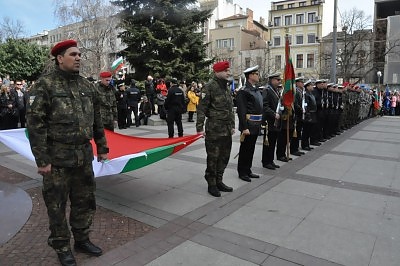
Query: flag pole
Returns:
{"type": "Point", "coordinates": [287, 121]}
{"type": "Point", "coordinates": [287, 137]}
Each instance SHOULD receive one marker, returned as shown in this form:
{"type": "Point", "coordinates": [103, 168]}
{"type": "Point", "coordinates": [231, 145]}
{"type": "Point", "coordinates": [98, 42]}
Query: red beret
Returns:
{"type": "Point", "coordinates": [62, 46]}
{"type": "Point", "coordinates": [221, 66]}
{"type": "Point", "coordinates": [105, 74]}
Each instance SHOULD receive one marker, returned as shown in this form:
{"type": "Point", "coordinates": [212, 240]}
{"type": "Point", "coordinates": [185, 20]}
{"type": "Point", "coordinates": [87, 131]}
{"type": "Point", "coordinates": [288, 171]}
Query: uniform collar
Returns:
{"type": "Point", "coordinates": [67, 75]}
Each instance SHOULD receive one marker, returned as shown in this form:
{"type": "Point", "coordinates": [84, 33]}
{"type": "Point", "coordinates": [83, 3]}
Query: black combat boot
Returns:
{"type": "Point", "coordinates": [224, 188]}
{"type": "Point", "coordinates": [66, 258]}
{"type": "Point", "coordinates": [87, 247]}
{"type": "Point", "coordinates": [213, 190]}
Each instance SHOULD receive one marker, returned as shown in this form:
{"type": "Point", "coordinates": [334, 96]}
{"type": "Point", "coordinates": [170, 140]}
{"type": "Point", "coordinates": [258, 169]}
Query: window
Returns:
{"type": "Point", "coordinates": [311, 17]}
{"type": "Point", "coordinates": [290, 5]}
{"type": "Point", "coordinates": [311, 38]}
{"type": "Point", "coordinates": [277, 21]}
{"type": "Point", "coordinates": [299, 39]}
{"type": "Point", "coordinates": [299, 61]}
{"type": "Point", "coordinates": [288, 20]}
{"type": "Point", "coordinates": [310, 60]}
{"type": "Point", "coordinates": [302, 4]}
{"type": "Point", "coordinates": [279, 7]}
{"type": "Point", "coordinates": [361, 57]}
{"type": "Point", "coordinates": [314, 2]}
{"type": "Point", "coordinates": [300, 19]}
{"type": "Point", "coordinates": [277, 41]}
{"type": "Point", "coordinates": [247, 62]}
{"type": "Point", "coordinates": [278, 62]}
{"type": "Point", "coordinates": [226, 43]}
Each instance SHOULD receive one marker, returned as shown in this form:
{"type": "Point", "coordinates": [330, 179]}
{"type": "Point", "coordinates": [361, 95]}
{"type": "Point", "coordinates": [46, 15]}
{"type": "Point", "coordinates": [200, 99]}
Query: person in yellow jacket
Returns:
{"type": "Point", "coordinates": [193, 102]}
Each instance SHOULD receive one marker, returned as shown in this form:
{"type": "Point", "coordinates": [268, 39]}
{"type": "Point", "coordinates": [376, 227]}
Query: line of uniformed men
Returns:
{"type": "Point", "coordinates": [320, 111]}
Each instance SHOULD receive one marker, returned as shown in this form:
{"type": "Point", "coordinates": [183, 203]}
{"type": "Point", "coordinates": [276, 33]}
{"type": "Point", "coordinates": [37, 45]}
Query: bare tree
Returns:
{"type": "Point", "coordinates": [356, 50]}
{"type": "Point", "coordinates": [93, 23]}
{"type": "Point", "coordinates": [11, 29]}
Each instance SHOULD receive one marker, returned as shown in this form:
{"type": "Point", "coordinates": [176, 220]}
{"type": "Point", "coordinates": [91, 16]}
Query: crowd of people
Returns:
{"type": "Point", "coordinates": [133, 107]}
{"type": "Point", "coordinates": [123, 105]}
{"type": "Point", "coordinates": [13, 100]}
{"type": "Point", "coordinates": [391, 103]}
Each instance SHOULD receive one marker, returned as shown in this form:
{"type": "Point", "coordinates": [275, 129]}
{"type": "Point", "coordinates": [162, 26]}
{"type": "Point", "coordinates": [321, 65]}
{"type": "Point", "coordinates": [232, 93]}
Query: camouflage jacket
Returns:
{"type": "Point", "coordinates": [63, 115]}
{"type": "Point", "coordinates": [216, 104]}
{"type": "Point", "coordinates": [108, 104]}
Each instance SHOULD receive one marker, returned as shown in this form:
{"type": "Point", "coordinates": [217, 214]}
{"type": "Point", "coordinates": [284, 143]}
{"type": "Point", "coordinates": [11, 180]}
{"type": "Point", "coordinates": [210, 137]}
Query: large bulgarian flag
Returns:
{"type": "Point", "coordinates": [289, 88]}
{"type": "Point", "coordinates": [127, 153]}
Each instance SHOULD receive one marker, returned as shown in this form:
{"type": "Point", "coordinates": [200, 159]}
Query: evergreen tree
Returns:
{"type": "Point", "coordinates": [164, 37]}
{"type": "Point", "coordinates": [22, 60]}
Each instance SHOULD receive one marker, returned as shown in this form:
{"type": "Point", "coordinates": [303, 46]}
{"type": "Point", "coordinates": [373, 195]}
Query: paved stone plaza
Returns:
{"type": "Point", "coordinates": [337, 205]}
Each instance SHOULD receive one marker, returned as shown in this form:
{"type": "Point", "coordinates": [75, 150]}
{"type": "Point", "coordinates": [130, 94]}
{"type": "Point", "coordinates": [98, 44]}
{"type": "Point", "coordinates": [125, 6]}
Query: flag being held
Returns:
{"type": "Point", "coordinates": [289, 87]}
{"type": "Point", "coordinates": [127, 153]}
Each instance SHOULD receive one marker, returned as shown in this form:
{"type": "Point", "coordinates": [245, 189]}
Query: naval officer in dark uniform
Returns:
{"type": "Point", "coordinates": [249, 103]}
{"type": "Point", "coordinates": [271, 114]}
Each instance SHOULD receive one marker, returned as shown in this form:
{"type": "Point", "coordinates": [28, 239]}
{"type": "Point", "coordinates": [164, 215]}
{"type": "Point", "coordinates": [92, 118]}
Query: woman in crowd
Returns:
{"type": "Point", "coordinates": [9, 114]}
{"type": "Point", "coordinates": [193, 102]}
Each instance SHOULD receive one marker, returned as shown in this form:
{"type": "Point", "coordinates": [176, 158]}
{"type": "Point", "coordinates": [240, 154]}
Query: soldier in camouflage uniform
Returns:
{"type": "Point", "coordinates": [108, 101]}
{"type": "Point", "coordinates": [63, 116]}
{"type": "Point", "coordinates": [216, 104]}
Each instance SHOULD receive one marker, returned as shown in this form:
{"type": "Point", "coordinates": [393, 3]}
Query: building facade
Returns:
{"type": "Point", "coordinates": [240, 40]}
{"type": "Point", "coordinates": [301, 21]}
{"type": "Point", "coordinates": [386, 43]}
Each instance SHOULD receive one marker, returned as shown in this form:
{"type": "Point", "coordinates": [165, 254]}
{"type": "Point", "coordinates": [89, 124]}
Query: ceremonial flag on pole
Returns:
{"type": "Point", "coordinates": [376, 101]}
{"type": "Point", "coordinates": [127, 153]}
{"type": "Point", "coordinates": [289, 88]}
{"type": "Point", "coordinates": [117, 64]}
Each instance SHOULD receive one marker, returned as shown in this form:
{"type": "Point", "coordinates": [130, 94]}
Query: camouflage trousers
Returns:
{"type": "Point", "coordinates": [79, 185]}
{"type": "Point", "coordinates": [218, 152]}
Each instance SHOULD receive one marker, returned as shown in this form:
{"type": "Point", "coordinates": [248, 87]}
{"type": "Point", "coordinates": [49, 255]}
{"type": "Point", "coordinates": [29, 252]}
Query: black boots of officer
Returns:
{"type": "Point", "coordinates": [66, 258]}
{"type": "Point", "coordinates": [88, 247]}
{"type": "Point", "coordinates": [215, 190]}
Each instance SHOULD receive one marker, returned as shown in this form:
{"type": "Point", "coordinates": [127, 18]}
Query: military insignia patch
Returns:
{"type": "Point", "coordinates": [31, 99]}
{"type": "Point", "coordinates": [203, 95]}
